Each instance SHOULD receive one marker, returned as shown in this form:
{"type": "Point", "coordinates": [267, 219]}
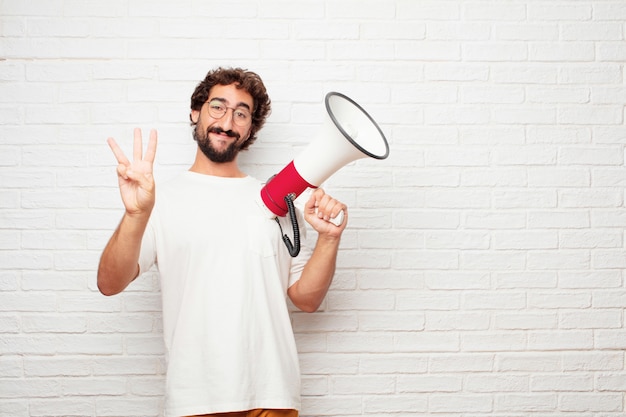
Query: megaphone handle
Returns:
{"type": "Point", "coordinates": [337, 220]}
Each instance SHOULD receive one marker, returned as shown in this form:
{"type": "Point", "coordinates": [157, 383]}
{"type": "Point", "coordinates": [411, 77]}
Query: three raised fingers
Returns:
{"type": "Point", "coordinates": [137, 148]}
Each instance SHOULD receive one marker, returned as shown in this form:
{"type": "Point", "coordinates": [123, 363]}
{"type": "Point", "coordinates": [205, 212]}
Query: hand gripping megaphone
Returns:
{"type": "Point", "coordinates": [349, 133]}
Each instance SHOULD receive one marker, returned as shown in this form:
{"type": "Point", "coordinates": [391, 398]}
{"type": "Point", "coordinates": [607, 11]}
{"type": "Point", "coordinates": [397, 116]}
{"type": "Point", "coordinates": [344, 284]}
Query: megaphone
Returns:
{"type": "Point", "coordinates": [349, 133]}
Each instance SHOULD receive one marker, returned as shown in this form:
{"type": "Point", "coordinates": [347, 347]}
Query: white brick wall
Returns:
{"type": "Point", "coordinates": [482, 272]}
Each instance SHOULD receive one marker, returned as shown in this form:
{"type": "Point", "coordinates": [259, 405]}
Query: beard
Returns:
{"type": "Point", "coordinates": [207, 148]}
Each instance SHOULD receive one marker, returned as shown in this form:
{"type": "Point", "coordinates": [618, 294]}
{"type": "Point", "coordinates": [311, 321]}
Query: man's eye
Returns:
{"type": "Point", "coordinates": [241, 114]}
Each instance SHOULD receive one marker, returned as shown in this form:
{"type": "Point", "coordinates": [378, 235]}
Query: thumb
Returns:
{"type": "Point", "coordinates": [311, 205]}
{"type": "Point", "coordinates": [123, 171]}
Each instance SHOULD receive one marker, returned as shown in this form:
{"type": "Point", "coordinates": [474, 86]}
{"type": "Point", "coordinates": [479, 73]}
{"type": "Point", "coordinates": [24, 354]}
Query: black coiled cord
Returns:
{"type": "Point", "coordinates": [294, 249]}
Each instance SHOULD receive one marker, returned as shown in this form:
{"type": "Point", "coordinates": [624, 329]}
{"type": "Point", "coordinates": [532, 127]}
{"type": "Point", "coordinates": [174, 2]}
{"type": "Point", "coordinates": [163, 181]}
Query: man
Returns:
{"type": "Point", "coordinates": [225, 271]}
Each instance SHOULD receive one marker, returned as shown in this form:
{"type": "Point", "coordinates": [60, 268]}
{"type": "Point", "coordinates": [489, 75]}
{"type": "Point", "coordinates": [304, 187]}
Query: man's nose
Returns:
{"type": "Point", "coordinates": [226, 121]}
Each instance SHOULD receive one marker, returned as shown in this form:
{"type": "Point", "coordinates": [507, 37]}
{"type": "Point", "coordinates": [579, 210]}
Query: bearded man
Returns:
{"type": "Point", "coordinates": [225, 273]}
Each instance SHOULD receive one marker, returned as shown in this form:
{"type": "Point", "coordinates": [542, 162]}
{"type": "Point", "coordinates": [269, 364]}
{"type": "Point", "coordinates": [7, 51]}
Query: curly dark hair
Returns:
{"type": "Point", "coordinates": [244, 79]}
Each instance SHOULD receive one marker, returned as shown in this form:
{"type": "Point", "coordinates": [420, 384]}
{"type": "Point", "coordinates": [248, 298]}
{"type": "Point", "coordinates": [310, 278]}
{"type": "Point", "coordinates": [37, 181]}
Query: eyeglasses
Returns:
{"type": "Point", "coordinates": [241, 115]}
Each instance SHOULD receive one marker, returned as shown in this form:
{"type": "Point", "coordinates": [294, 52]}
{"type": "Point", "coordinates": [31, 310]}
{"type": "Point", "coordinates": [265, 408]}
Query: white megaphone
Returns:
{"type": "Point", "coordinates": [349, 133]}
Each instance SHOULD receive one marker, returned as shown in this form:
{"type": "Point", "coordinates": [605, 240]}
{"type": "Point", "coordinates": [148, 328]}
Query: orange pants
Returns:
{"type": "Point", "coordinates": [257, 412]}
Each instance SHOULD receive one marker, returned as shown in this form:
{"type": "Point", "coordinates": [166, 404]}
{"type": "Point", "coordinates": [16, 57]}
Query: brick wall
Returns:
{"type": "Point", "coordinates": [482, 271]}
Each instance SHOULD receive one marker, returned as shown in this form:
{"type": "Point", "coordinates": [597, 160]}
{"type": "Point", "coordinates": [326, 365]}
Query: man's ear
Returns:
{"type": "Point", "coordinates": [194, 116]}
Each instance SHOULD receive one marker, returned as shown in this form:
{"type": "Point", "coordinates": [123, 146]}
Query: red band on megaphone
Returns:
{"type": "Point", "coordinates": [288, 181]}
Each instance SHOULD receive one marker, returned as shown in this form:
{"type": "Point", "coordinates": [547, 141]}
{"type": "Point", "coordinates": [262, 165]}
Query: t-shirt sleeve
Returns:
{"type": "Point", "coordinates": [147, 254]}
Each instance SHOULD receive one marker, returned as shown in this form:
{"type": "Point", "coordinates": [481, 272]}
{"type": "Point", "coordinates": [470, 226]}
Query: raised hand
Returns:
{"type": "Point", "coordinates": [136, 179]}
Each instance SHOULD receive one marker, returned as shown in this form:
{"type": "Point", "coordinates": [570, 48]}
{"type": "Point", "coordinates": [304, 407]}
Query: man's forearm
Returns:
{"type": "Point", "coordinates": [308, 293]}
{"type": "Point", "coordinates": [119, 261]}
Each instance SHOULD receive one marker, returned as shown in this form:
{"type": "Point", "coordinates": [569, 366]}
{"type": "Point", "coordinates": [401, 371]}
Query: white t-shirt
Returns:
{"type": "Point", "coordinates": [224, 276]}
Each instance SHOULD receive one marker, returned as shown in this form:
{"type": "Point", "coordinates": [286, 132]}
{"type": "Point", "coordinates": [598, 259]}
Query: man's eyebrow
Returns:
{"type": "Point", "coordinates": [223, 100]}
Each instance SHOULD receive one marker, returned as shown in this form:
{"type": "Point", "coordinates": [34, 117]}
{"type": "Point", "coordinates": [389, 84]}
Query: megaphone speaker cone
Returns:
{"type": "Point", "coordinates": [356, 125]}
{"type": "Point", "coordinates": [349, 133]}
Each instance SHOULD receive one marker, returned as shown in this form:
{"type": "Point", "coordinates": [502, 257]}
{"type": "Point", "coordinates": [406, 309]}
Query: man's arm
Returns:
{"type": "Point", "coordinates": [119, 261]}
{"type": "Point", "coordinates": [310, 290]}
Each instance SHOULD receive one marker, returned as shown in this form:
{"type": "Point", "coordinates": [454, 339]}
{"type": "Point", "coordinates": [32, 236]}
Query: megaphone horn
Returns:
{"type": "Point", "coordinates": [349, 133]}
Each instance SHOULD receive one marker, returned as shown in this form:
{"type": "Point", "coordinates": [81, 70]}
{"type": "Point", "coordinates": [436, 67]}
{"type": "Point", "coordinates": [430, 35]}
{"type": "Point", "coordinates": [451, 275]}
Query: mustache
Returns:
{"type": "Point", "coordinates": [218, 130]}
